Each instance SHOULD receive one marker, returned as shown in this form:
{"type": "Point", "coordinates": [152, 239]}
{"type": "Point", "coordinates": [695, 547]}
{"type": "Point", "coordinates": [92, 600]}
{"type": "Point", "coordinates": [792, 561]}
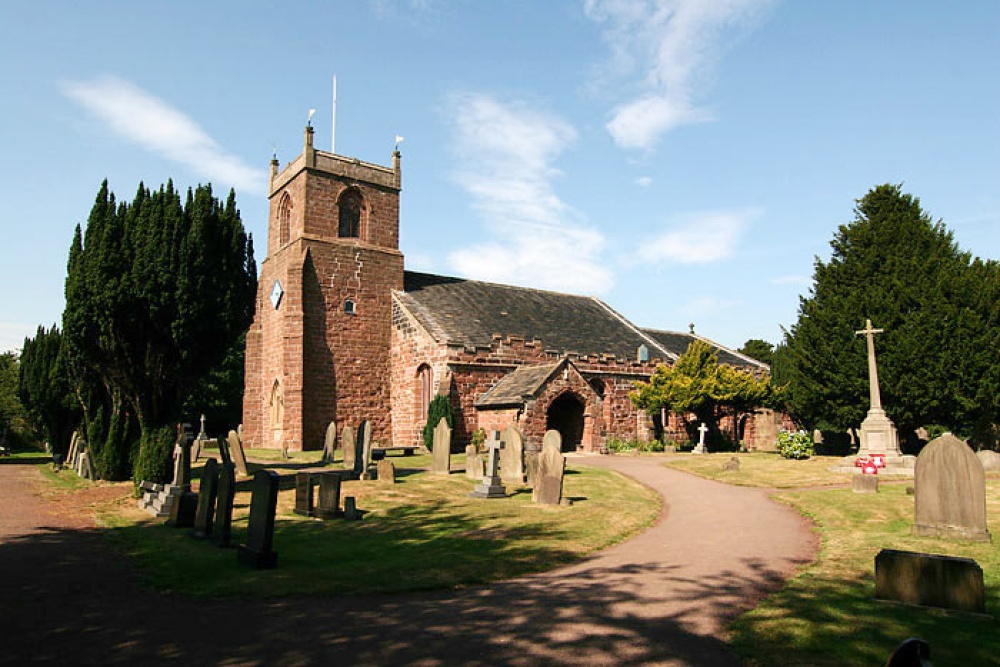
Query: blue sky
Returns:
{"type": "Point", "coordinates": [684, 160]}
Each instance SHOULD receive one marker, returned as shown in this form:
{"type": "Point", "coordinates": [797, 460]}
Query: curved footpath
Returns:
{"type": "Point", "coordinates": [662, 597]}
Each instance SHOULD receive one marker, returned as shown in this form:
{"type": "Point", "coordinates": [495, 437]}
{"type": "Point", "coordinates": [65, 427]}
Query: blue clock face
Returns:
{"type": "Point", "coordinates": [276, 293]}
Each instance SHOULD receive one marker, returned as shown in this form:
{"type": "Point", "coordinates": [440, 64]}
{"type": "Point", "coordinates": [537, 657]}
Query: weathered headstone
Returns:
{"type": "Point", "coordinates": [329, 496]}
{"type": "Point", "coordinates": [930, 580]}
{"type": "Point", "coordinates": [386, 472]}
{"type": "Point", "coordinates": [330, 443]}
{"type": "Point", "coordinates": [512, 456]}
{"type": "Point", "coordinates": [236, 451]}
{"type": "Point", "coordinates": [551, 468]}
{"type": "Point", "coordinates": [363, 449]}
{"type": "Point", "coordinates": [204, 516]}
{"type": "Point", "coordinates": [989, 459]}
{"type": "Point", "coordinates": [491, 486]}
{"type": "Point", "coordinates": [474, 463]}
{"type": "Point", "coordinates": [700, 447]}
{"type": "Point", "coordinates": [350, 446]}
{"type": "Point", "coordinates": [304, 496]}
{"type": "Point", "coordinates": [223, 528]}
{"type": "Point", "coordinates": [441, 448]}
{"type": "Point", "coordinates": [186, 503]}
{"type": "Point", "coordinates": [950, 498]}
{"type": "Point", "coordinates": [862, 483]}
{"type": "Point", "coordinates": [351, 511]}
{"type": "Point", "coordinates": [257, 552]}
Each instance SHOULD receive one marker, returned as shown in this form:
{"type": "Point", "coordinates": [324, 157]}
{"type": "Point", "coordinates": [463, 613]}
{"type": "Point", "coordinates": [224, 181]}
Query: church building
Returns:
{"type": "Point", "coordinates": [343, 333]}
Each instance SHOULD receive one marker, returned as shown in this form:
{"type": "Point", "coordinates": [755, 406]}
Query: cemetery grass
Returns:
{"type": "Point", "coordinates": [762, 469]}
{"type": "Point", "coordinates": [421, 533]}
{"type": "Point", "coordinates": [827, 614]}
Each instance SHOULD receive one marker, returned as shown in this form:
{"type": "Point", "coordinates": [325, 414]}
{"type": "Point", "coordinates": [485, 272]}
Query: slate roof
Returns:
{"type": "Point", "coordinates": [469, 312]}
{"type": "Point", "coordinates": [677, 343]}
{"type": "Point", "coordinates": [522, 381]}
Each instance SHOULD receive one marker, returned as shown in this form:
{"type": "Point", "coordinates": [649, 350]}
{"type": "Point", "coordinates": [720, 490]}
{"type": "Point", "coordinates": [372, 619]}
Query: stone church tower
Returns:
{"type": "Point", "coordinates": [319, 346]}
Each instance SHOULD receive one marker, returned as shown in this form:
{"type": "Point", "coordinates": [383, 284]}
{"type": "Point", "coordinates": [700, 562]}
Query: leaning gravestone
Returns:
{"type": "Point", "coordinates": [204, 516]}
{"type": "Point", "coordinates": [185, 503]}
{"type": "Point", "coordinates": [330, 443]}
{"type": "Point", "coordinates": [364, 450]}
{"type": "Point", "coordinates": [329, 496]}
{"type": "Point", "coordinates": [223, 528]}
{"type": "Point", "coordinates": [474, 463]}
{"type": "Point", "coordinates": [930, 580]}
{"type": "Point", "coordinates": [551, 468]}
{"type": "Point", "coordinates": [257, 552]}
{"type": "Point", "coordinates": [350, 447]}
{"type": "Point", "coordinates": [950, 491]}
{"type": "Point", "coordinates": [441, 449]}
{"type": "Point", "coordinates": [304, 493]}
{"type": "Point", "coordinates": [512, 457]}
{"type": "Point", "coordinates": [989, 459]}
{"type": "Point", "coordinates": [386, 472]}
{"type": "Point", "coordinates": [236, 451]}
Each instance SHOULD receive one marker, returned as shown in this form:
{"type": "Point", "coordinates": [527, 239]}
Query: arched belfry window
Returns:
{"type": "Point", "coordinates": [277, 405]}
{"type": "Point", "coordinates": [352, 209]}
{"type": "Point", "coordinates": [284, 219]}
{"type": "Point", "coordinates": [425, 389]}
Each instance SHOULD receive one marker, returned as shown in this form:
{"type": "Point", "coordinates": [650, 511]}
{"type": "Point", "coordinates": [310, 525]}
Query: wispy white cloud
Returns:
{"type": "Point", "coordinates": [644, 181]}
{"type": "Point", "coordinates": [672, 46]}
{"type": "Point", "coordinates": [12, 335]}
{"type": "Point", "coordinates": [145, 120]}
{"type": "Point", "coordinates": [698, 238]}
{"type": "Point", "coordinates": [791, 280]}
{"type": "Point", "coordinates": [506, 152]}
{"type": "Point", "coordinates": [706, 305]}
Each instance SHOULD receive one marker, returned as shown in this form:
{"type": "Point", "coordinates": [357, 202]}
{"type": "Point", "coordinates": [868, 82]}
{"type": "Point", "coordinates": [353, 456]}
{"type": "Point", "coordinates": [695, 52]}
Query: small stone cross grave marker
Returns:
{"type": "Point", "coordinates": [491, 486]}
{"type": "Point", "coordinates": [700, 448]}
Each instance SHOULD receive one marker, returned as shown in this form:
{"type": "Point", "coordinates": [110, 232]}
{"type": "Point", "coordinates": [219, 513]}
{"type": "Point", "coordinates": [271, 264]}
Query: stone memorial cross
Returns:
{"type": "Point", "coordinates": [491, 486]}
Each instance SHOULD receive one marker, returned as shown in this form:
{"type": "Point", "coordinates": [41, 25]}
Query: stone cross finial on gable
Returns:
{"type": "Point", "coordinates": [869, 332]}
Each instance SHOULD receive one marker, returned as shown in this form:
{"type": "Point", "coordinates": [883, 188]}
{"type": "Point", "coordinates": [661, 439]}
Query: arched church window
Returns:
{"type": "Point", "coordinates": [425, 389]}
{"type": "Point", "coordinates": [284, 219]}
{"type": "Point", "coordinates": [277, 406]}
{"type": "Point", "coordinates": [352, 208]}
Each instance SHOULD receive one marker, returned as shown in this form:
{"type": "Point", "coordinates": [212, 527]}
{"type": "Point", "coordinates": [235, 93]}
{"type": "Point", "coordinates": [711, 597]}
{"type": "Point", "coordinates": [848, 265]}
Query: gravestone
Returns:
{"type": "Point", "coordinates": [349, 444]}
{"type": "Point", "coordinates": [204, 516]}
{"type": "Point", "coordinates": [185, 503]}
{"type": "Point", "coordinates": [474, 464]}
{"type": "Point", "coordinates": [236, 451]}
{"type": "Point", "coordinates": [989, 459]}
{"type": "Point", "coordinates": [863, 483]}
{"type": "Point", "coordinates": [441, 448]}
{"type": "Point", "coordinates": [224, 453]}
{"type": "Point", "coordinates": [329, 496]}
{"type": "Point", "coordinates": [491, 486]}
{"type": "Point", "coordinates": [512, 457]}
{"type": "Point", "coordinates": [223, 528]}
{"type": "Point", "coordinates": [700, 447]}
{"type": "Point", "coordinates": [386, 471]}
{"type": "Point", "coordinates": [551, 468]}
{"type": "Point", "coordinates": [351, 511]}
{"type": "Point", "coordinates": [363, 449]}
{"type": "Point", "coordinates": [257, 552]}
{"type": "Point", "coordinates": [304, 493]}
{"type": "Point", "coordinates": [929, 580]}
{"type": "Point", "coordinates": [330, 443]}
{"type": "Point", "coordinates": [950, 491]}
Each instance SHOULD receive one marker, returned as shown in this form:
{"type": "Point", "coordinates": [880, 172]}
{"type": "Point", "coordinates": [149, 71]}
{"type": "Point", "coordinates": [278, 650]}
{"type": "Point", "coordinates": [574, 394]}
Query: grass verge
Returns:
{"type": "Point", "coordinates": [762, 469]}
{"type": "Point", "coordinates": [421, 533]}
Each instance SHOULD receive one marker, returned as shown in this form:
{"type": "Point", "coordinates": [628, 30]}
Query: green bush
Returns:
{"type": "Point", "coordinates": [440, 406]}
{"type": "Point", "coordinates": [154, 460]}
{"type": "Point", "coordinates": [795, 445]}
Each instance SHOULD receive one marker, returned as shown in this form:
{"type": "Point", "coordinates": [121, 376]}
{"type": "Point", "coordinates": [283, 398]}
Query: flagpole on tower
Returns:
{"type": "Point", "coordinates": [333, 141]}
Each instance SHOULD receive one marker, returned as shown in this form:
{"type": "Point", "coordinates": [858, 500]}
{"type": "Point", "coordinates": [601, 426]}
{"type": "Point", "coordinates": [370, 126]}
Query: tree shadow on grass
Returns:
{"type": "Point", "coordinates": [66, 597]}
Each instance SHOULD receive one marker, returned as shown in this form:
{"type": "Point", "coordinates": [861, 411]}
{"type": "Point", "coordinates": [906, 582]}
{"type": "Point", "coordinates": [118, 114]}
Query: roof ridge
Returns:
{"type": "Point", "coordinates": [503, 285]}
{"type": "Point", "coordinates": [649, 339]}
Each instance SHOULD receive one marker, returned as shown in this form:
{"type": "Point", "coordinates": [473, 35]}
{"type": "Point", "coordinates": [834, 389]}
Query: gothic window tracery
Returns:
{"type": "Point", "coordinates": [352, 209]}
{"type": "Point", "coordinates": [284, 219]}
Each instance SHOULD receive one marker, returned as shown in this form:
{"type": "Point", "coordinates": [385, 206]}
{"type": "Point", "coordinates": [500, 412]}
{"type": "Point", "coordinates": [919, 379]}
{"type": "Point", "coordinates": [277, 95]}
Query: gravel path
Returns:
{"type": "Point", "coordinates": [664, 597]}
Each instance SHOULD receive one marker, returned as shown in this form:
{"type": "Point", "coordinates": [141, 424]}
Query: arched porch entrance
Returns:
{"type": "Point", "coordinates": [566, 415]}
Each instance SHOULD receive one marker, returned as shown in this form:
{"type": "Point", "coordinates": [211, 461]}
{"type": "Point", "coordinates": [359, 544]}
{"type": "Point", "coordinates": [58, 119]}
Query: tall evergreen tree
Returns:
{"type": "Point", "coordinates": [898, 267]}
{"type": "Point", "coordinates": [44, 389]}
{"type": "Point", "coordinates": [156, 294]}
